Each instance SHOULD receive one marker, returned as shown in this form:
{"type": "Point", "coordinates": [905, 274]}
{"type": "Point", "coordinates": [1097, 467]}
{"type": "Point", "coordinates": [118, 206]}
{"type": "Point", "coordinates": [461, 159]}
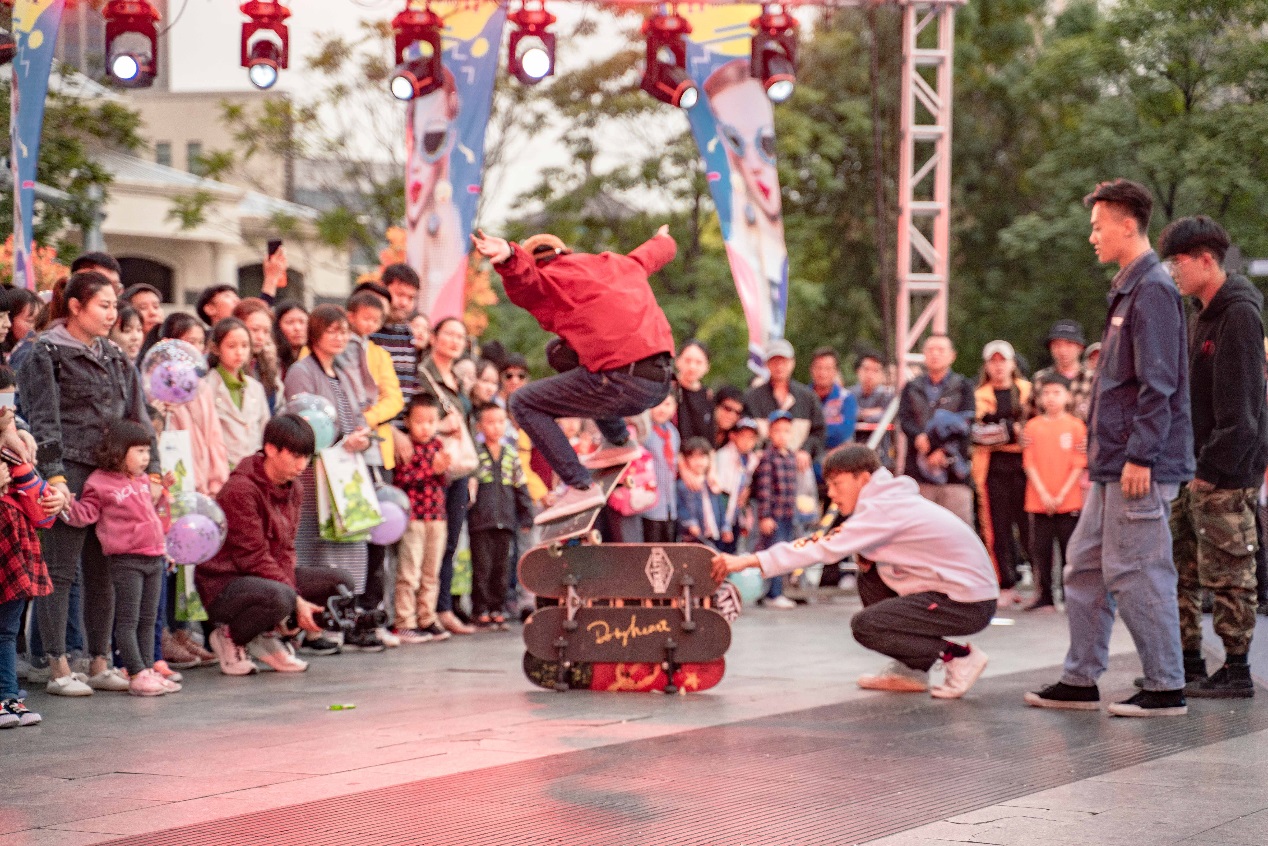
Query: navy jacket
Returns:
{"type": "Point", "coordinates": [1140, 399]}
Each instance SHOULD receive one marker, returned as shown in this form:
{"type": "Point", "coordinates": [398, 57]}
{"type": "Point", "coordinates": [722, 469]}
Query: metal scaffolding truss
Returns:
{"type": "Point", "coordinates": [924, 177]}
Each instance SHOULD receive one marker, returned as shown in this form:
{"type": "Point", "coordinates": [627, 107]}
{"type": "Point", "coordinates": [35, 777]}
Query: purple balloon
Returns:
{"type": "Point", "coordinates": [393, 526]}
{"type": "Point", "coordinates": [193, 539]}
{"type": "Point", "coordinates": [174, 381]}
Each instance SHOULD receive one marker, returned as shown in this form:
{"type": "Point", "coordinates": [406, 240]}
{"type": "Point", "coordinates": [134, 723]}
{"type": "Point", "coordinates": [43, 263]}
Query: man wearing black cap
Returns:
{"type": "Point", "coordinates": [1066, 343]}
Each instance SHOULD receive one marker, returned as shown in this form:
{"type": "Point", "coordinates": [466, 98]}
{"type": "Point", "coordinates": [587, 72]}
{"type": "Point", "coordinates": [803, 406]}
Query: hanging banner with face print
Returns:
{"type": "Point", "coordinates": [35, 24]}
{"type": "Point", "coordinates": [444, 131]}
{"type": "Point", "coordinates": [734, 126]}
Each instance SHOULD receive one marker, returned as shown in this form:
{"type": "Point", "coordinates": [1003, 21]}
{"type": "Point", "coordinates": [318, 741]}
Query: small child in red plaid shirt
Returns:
{"type": "Point", "coordinates": [422, 476]}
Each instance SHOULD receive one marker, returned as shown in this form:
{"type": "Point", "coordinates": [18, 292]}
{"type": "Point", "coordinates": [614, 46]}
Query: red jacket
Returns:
{"type": "Point", "coordinates": [600, 304]}
{"type": "Point", "coordinates": [262, 518]}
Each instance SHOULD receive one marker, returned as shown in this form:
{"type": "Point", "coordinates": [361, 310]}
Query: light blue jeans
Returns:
{"type": "Point", "coordinates": [1120, 560]}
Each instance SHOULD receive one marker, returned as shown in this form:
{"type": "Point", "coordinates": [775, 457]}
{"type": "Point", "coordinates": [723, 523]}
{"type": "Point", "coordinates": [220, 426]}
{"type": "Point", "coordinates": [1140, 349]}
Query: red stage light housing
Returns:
{"type": "Point", "coordinates": [265, 56]}
{"type": "Point", "coordinates": [129, 66]}
{"type": "Point", "coordinates": [8, 47]}
{"type": "Point", "coordinates": [774, 55]}
{"type": "Point", "coordinates": [426, 73]}
{"type": "Point", "coordinates": [531, 51]}
{"type": "Point", "coordinates": [665, 77]}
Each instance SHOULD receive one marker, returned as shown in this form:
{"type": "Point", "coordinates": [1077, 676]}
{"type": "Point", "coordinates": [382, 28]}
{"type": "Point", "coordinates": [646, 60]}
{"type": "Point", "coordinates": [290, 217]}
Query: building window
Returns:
{"type": "Point", "coordinates": [194, 158]}
{"type": "Point", "coordinates": [163, 153]}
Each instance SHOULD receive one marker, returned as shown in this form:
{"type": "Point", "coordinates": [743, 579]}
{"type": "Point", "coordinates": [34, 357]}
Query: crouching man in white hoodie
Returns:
{"type": "Point", "coordinates": [923, 574]}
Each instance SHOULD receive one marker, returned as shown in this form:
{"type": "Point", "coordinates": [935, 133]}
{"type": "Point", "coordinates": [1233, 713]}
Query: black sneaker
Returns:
{"type": "Point", "coordinates": [1232, 681]}
{"type": "Point", "coordinates": [1067, 697]}
{"type": "Point", "coordinates": [437, 632]}
{"type": "Point", "coordinates": [1194, 671]}
{"type": "Point", "coordinates": [1151, 703]}
{"type": "Point", "coordinates": [320, 645]}
{"type": "Point", "coordinates": [364, 642]}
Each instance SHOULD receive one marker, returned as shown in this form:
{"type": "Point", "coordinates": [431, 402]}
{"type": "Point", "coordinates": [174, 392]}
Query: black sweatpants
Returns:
{"type": "Point", "coordinates": [490, 552]}
{"type": "Point", "coordinates": [252, 605]}
{"type": "Point", "coordinates": [912, 629]}
{"type": "Point", "coordinates": [1044, 529]}
{"type": "Point", "coordinates": [1006, 498]}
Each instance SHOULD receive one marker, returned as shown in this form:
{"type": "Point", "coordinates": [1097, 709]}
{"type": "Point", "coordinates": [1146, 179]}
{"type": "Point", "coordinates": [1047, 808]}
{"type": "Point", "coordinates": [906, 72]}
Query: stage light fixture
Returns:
{"type": "Point", "coordinates": [265, 42]}
{"type": "Point", "coordinates": [426, 73]}
{"type": "Point", "coordinates": [665, 76]}
{"type": "Point", "coordinates": [531, 51]}
{"type": "Point", "coordinates": [131, 42]}
{"type": "Point", "coordinates": [8, 47]}
{"type": "Point", "coordinates": [774, 57]}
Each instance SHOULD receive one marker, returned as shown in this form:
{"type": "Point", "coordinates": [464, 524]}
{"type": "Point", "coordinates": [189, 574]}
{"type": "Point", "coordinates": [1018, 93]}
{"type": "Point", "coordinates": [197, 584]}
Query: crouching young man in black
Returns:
{"type": "Point", "coordinates": [252, 589]}
{"type": "Point", "coordinates": [923, 574]}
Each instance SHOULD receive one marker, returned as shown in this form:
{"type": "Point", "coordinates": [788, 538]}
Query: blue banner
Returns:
{"type": "Point", "coordinates": [35, 25]}
{"type": "Point", "coordinates": [444, 166]}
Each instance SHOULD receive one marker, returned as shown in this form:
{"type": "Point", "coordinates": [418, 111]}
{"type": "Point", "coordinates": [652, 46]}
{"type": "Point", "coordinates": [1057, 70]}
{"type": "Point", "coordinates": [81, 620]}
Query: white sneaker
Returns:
{"type": "Point", "coordinates": [276, 653]}
{"type": "Point", "coordinates": [39, 675]}
{"type": "Point", "coordinates": [234, 660]}
{"type": "Point", "coordinates": [572, 501]}
{"type": "Point", "coordinates": [386, 637]}
{"type": "Point", "coordinates": [109, 679]}
{"type": "Point", "coordinates": [147, 683]}
{"type": "Point", "coordinates": [782, 602]}
{"type": "Point", "coordinates": [960, 674]}
{"type": "Point", "coordinates": [897, 677]}
{"type": "Point", "coordinates": [72, 685]}
{"type": "Point", "coordinates": [610, 455]}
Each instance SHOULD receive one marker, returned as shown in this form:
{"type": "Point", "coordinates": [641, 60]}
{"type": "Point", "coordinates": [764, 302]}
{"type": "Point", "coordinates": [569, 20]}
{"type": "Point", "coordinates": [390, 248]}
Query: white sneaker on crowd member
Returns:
{"type": "Point", "coordinates": [147, 683]}
{"type": "Point", "coordinates": [15, 708]}
{"type": "Point", "coordinates": [387, 638]}
{"type": "Point", "coordinates": [234, 660]}
{"type": "Point", "coordinates": [782, 602]}
{"type": "Point", "coordinates": [1009, 598]}
{"type": "Point", "coordinates": [38, 675]}
{"type": "Point", "coordinates": [610, 455]}
{"type": "Point", "coordinates": [276, 653]}
{"type": "Point", "coordinates": [109, 679]}
{"type": "Point", "coordinates": [7, 720]}
{"type": "Point", "coordinates": [75, 684]}
{"type": "Point", "coordinates": [572, 501]}
{"type": "Point", "coordinates": [169, 685]}
{"type": "Point", "coordinates": [167, 672]}
{"type": "Point", "coordinates": [896, 677]}
{"type": "Point", "coordinates": [961, 673]}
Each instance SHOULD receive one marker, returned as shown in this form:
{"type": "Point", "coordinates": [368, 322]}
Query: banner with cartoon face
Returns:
{"type": "Point", "coordinates": [734, 127]}
{"type": "Point", "coordinates": [444, 132]}
{"type": "Point", "coordinates": [35, 24]}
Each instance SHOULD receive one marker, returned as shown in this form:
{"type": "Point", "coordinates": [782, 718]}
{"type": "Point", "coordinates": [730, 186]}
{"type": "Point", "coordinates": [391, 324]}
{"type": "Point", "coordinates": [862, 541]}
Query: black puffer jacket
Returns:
{"type": "Point", "coordinates": [1226, 387]}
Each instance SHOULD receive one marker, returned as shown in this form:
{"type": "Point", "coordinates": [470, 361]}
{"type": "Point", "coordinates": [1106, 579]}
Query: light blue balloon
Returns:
{"type": "Point", "coordinates": [323, 426]}
{"type": "Point", "coordinates": [749, 583]}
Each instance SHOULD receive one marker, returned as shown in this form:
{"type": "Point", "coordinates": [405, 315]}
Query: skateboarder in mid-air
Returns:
{"type": "Point", "coordinates": [923, 574]}
{"type": "Point", "coordinates": [616, 345]}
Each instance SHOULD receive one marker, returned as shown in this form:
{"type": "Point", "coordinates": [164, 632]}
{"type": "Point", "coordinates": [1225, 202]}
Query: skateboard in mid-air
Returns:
{"type": "Point", "coordinates": [625, 677]}
{"type": "Point", "coordinates": [632, 603]}
{"type": "Point", "coordinates": [575, 528]}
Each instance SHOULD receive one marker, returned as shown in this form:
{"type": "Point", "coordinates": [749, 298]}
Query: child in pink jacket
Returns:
{"type": "Point", "coordinates": [117, 498]}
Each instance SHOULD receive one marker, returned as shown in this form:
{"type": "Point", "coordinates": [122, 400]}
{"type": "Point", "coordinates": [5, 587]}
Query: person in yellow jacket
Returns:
{"type": "Point", "coordinates": [1001, 401]}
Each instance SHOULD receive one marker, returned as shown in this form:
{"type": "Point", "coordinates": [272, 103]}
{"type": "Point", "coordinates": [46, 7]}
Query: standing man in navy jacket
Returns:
{"type": "Point", "coordinates": [1140, 450]}
{"type": "Point", "coordinates": [602, 307]}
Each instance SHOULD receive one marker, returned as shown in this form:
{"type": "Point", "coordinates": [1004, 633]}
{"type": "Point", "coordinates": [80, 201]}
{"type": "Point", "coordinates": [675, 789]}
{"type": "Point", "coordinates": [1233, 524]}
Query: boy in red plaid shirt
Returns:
{"type": "Point", "coordinates": [422, 476]}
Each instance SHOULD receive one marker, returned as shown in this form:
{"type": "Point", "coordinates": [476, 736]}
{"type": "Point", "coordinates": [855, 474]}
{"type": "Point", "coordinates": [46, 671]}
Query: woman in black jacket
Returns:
{"type": "Point", "coordinates": [73, 384]}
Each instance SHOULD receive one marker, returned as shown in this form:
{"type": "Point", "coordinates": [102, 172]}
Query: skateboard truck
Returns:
{"type": "Point", "coordinates": [688, 624]}
{"type": "Point", "coordinates": [671, 666]}
{"type": "Point", "coordinates": [561, 666]}
{"type": "Point", "coordinates": [572, 601]}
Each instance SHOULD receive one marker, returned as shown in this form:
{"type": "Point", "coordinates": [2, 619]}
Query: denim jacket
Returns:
{"type": "Point", "coordinates": [1140, 399]}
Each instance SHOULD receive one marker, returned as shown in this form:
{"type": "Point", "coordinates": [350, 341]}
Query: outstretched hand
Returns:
{"type": "Point", "coordinates": [725, 563]}
{"type": "Point", "coordinates": [491, 247]}
{"type": "Point", "coordinates": [664, 229]}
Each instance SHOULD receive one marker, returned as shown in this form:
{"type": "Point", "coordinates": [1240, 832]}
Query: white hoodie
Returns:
{"type": "Point", "coordinates": [917, 545]}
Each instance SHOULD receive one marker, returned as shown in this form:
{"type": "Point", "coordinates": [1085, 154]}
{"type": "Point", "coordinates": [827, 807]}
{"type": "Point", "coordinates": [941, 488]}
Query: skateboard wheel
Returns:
{"type": "Point", "coordinates": [555, 550]}
{"type": "Point", "coordinates": [596, 537]}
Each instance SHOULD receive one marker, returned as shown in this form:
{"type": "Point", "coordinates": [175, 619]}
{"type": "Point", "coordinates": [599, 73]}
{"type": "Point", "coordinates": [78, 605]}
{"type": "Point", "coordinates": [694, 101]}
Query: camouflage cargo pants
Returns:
{"type": "Point", "coordinates": [1214, 540]}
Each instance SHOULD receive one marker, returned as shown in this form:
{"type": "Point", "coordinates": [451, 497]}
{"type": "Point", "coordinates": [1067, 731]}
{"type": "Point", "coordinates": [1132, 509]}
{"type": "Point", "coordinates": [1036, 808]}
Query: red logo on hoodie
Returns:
{"type": "Point", "coordinates": [1208, 348]}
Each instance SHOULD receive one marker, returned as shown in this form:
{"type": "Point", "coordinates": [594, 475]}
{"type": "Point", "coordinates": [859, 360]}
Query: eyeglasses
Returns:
{"type": "Point", "coordinates": [514, 374]}
{"type": "Point", "coordinates": [1173, 263]}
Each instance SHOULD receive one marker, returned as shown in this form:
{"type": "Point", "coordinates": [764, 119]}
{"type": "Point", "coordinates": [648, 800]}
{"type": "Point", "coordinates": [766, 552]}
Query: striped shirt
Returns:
{"type": "Point", "coordinates": [398, 340]}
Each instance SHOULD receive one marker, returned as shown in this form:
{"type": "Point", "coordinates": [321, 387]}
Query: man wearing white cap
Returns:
{"type": "Point", "coordinates": [783, 393]}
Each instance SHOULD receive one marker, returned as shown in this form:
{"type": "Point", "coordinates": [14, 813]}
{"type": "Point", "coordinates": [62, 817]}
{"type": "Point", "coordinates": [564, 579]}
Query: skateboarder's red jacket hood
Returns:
{"type": "Point", "coordinates": [600, 304]}
{"type": "Point", "coordinates": [917, 545]}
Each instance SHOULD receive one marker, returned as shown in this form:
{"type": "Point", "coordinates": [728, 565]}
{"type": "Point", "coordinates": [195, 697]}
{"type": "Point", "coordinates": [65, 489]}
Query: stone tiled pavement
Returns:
{"type": "Point", "coordinates": [116, 765]}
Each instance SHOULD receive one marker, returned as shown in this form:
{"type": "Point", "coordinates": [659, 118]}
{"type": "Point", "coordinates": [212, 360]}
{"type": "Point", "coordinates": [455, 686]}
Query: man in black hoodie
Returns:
{"type": "Point", "coordinates": [1213, 519]}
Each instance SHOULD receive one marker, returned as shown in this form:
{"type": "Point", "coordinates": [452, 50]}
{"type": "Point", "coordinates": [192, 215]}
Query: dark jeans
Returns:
{"type": "Point", "coordinates": [457, 497]}
{"type": "Point", "coordinates": [1006, 496]}
{"type": "Point", "coordinates": [912, 629]}
{"type": "Point", "coordinates": [490, 552]}
{"type": "Point", "coordinates": [1044, 530]}
{"type": "Point", "coordinates": [376, 557]}
{"type": "Point", "coordinates": [785, 530]}
{"type": "Point", "coordinates": [10, 622]}
{"type": "Point", "coordinates": [659, 531]}
{"type": "Point", "coordinates": [138, 581]}
{"type": "Point", "coordinates": [67, 552]}
{"type": "Point", "coordinates": [252, 605]}
{"type": "Point", "coordinates": [607, 397]}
